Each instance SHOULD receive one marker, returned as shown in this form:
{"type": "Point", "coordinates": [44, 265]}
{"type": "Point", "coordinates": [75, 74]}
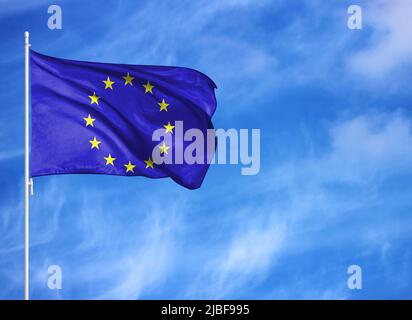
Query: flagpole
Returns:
{"type": "Point", "coordinates": [27, 180]}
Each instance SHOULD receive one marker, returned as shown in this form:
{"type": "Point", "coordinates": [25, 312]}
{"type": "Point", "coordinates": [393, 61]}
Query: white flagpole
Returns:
{"type": "Point", "coordinates": [27, 180]}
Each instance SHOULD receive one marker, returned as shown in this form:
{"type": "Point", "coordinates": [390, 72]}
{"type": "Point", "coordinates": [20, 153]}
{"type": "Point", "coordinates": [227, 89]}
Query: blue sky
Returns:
{"type": "Point", "coordinates": [334, 189]}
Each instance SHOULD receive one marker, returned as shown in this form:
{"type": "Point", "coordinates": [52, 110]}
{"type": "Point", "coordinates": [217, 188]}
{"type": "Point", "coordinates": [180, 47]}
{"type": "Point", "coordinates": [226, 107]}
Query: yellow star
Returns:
{"type": "Point", "coordinates": [169, 128]}
{"type": "Point", "coordinates": [109, 160]}
{"type": "Point", "coordinates": [164, 148]}
{"type": "Point", "coordinates": [94, 99]}
{"type": "Point", "coordinates": [108, 83]}
{"type": "Point", "coordinates": [128, 79]}
{"type": "Point", "coordinates": [149, 163]}
{"type": "Point", "coordinates": [163, 105]}
{"type": "Point", "coordinates": [129, 167]}
{"type": "Point", "coordinates": [89, 121]}
{"type": "Point", "coordinates": [95, 143]}
{"type": "Point", "coordinates": [148, 87]}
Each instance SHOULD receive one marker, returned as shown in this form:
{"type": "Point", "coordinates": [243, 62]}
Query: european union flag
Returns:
{"type": "Point", "coordinates": [92, 117]}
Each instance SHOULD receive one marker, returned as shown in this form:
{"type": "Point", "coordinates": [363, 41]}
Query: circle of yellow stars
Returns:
{"type": "Point", "coordinates": [89, 121]}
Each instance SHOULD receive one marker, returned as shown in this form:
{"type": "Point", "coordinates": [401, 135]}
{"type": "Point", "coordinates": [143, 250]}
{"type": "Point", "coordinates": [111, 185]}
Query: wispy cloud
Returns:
{"type": "Point", "coordinates": [309, 203]}
{"type": "Point", "coordinates": [243, 258]}
{"type": "Point", "coordinates": [19, 6]}
{"type": "Point", "coordinates": [11, 220]}
{"type": "Point", "coordinates": [7, 155]}
{"type": "Point", "coordinates": [113, 260]}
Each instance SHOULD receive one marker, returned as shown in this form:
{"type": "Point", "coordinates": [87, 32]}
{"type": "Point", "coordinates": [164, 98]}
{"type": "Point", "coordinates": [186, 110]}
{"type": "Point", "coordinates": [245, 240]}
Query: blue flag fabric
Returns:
{"type": "Point", "coordinates": [90, 117]}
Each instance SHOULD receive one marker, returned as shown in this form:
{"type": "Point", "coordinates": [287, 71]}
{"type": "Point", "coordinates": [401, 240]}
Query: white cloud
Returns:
{"type": "Point", "coordinates": [391, 45]}
{"type": "Point", "coordinates": [364, 151]}
{"type": "Point", "coordinates": [373, 141]}
{"type": "Point", "coordinates": [360, 149]}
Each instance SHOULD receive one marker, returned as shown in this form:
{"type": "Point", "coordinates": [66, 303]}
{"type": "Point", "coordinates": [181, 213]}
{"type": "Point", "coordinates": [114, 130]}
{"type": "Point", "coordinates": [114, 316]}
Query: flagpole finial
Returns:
{"type": "Point", "coordinates": [26, 38]}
